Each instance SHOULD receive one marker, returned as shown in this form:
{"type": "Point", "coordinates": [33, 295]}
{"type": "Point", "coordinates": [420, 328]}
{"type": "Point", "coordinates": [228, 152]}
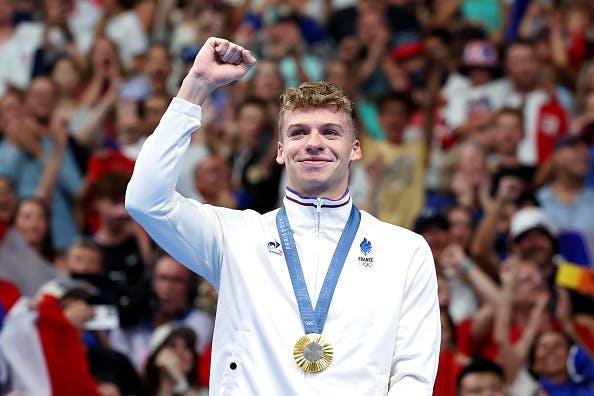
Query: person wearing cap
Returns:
{"type": "Point", "coordinates": [533, 238]}
{"type": "Point", "coordinates": [566, 200]}
{"type": "Point", "coordinates": [471, 108]}
{"type": "Point", "coordinates": [375, 329]}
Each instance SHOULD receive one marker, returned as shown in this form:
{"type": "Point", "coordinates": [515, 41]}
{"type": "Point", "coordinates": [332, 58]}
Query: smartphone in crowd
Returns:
{"type": "Point", "coordinates": [106, 318]}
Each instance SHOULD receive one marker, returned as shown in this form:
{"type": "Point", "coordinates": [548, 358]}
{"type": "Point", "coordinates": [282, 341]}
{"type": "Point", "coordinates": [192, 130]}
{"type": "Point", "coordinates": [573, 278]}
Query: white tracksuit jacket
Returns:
{"type": "Point", "coordinates": [383, 320]}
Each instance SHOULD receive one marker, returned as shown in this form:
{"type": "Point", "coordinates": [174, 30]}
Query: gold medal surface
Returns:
{"type": "Point", "coordinates": [313, 353]}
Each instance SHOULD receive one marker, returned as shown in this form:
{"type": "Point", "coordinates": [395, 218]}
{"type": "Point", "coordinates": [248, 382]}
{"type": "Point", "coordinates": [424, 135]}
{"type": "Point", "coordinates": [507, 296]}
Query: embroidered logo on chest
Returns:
{"type": "Point", "coordinates": [366, 260]}
{"type": "Point", "coordinates": [275, 247]}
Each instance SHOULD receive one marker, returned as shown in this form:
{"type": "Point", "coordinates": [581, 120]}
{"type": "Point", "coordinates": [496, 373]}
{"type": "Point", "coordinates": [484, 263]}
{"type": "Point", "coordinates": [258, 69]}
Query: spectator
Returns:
{"type": "Point", "coordinates": [154, 107]}
{"type": "Point", "coordinates": [172, 365]}
{"type": "Point", "coordinates": [31, 220]}
{"type": "Point", "coordinates": [481, 377]}
{"type": "Point", "coordinates": [26, 160]}
{"type": "Point", "coordinates": [396, 165]}
{"type": "Point", "coordinates": [122, 24]}
{"type": "Point", "coordinates": [267, 85]}
{"type": "Point", "coordinates": [157, 68]}
{"type": "Point", "coordinates": [173, 286]}
{"type": "Point", "coordinates": [125, 248]}
{"type": "Point", "coordinates": [18, 43]}
{"type": "Point", "coordinates": [544, 118]}
{"type": "Point", "coordinates": [470, 109]}
{"type": "Point", "coordinates": [212, 179]}
{"type": "Point", "coordinates": [551, 355]}
{"type": "Point", "coordinates": [254, 169]}
{"type": "Point", "coordinates": [566, 200]}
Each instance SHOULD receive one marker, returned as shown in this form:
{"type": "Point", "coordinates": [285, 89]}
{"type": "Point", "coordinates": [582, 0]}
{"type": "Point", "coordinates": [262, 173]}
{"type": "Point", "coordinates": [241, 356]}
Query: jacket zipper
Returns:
{"type": "Point", "coordinates": [319, 211]}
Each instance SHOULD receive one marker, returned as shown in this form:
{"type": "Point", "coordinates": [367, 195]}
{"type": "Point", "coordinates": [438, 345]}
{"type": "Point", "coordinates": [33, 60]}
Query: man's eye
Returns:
{"type": "Point", "coordinates": [331, 132]}
{"type": "Point", "coordinates": [297, 132]}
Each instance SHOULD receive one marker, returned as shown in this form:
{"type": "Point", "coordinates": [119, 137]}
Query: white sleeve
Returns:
{"type": "Point", "coordinates": [186, 229]}
{"type": "Point", "coordinates": [456, 111]}
{"type": "Point", "coordinates": [416, 353]}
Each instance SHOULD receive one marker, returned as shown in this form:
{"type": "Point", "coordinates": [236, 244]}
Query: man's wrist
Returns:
{"type": "Point", "coordinates": [195, 89]}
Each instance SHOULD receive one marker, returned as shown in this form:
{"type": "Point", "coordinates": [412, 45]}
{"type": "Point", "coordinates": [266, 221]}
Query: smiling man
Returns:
{"type": "Point", "coordinates": [315, 298]}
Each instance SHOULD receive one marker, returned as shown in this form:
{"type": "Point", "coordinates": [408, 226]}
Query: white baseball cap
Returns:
{"type": "Point", "coordinates": [531, 218]}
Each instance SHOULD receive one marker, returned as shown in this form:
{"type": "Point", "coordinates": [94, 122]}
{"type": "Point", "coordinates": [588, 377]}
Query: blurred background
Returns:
{"type": "Point", "coordinates": [476, 119]}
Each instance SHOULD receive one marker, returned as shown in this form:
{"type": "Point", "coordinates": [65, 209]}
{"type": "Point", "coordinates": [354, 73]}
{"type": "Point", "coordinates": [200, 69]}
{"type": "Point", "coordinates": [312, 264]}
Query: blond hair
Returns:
{"type": "Point", "coordinates": [316, 95]}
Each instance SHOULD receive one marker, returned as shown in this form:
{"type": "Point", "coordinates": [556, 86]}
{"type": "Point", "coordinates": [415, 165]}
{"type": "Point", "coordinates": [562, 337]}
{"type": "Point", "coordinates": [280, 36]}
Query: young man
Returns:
{"type": "Point", "coordinates": [380, 334]}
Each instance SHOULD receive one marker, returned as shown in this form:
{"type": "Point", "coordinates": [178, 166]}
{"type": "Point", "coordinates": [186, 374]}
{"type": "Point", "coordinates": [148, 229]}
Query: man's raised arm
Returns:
{"type": "Point", "coordinates": [186, 229]}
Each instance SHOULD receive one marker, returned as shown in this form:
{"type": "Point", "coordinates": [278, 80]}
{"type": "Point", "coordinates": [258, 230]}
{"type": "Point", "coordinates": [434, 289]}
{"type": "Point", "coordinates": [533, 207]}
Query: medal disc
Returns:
{"type": "Point", "coordinates": [313, 353]}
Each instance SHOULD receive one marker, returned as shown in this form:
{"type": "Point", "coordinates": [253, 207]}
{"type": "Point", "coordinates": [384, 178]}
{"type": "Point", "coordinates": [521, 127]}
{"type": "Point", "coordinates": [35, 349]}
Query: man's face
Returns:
{"type": "Point", "coordinates": [522, 65]}
{"type": "Point", "coordinates": [83, 260]}
{"type": "Point", "coordinates": [41, 98]}
{"type": "Point", "coordinates": [170, 283]}
{"type": "Point", "coordinates": [212, 175]}
{"type": "Point", "coordinates": [250, 122]}
{"type": "Point", "coordinates": [508, 134]}
{"type": "Point", "coordinates": [31, 222]}
{"type": "Point", "coordinates": [536, 246]}
{"type": "Point", "coordinates": [550, 354]}
{"type": "Point", "coordinates": [154, 108]}
{"type": "Point", "coordinates": [437, 237]}
{"type": "Point", "coordinates": [158, 67]}
{"type": "Point", "coordinates": [114, 216]}
{"type": "Point", "coordinates": [460, 226]}
{"type": "Point", "coordinates": [481, 384]}
{"type": "Point", "coordinates": [573, 160]}
{"type": "Point", "coordinates": [128, 123]}
{"type": "Point", "coordinates": [394, 118]}
{"type": "Point", "coordinates": [530, 282]}
{"type": "Point", "coordinates": [268, 81]}
{"type": "Point", "coordinates": [316, 148]}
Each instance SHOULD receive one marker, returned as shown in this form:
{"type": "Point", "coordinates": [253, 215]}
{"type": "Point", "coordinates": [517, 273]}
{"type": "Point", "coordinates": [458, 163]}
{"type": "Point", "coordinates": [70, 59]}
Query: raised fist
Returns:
{"type": "Point", "coordinates": [220, 62]}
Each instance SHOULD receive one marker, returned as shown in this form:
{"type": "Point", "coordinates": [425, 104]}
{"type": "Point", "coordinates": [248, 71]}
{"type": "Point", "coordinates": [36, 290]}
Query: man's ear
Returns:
{"type": "Point", "coordinates": [279, 154]}
{"type": "Point", "coordinates": [356, 151]}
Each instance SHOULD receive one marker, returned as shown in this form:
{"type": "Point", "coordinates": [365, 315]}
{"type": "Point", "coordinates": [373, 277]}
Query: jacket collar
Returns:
{"type": "Point", "coordinates": [325, 212]}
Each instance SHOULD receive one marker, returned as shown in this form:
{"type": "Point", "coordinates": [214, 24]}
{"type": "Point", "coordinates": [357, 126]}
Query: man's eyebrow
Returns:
{"type": "Point", "coordinates": [333, 125]}
{"type": "Point", "coordinates": [298, 126]}
{"type": "Point", "coordinates": [307, 126]}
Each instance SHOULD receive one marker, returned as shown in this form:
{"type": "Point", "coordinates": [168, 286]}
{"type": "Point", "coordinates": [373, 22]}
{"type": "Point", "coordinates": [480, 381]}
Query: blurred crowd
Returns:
{"type": "Point", "coordinates": [476, 119]}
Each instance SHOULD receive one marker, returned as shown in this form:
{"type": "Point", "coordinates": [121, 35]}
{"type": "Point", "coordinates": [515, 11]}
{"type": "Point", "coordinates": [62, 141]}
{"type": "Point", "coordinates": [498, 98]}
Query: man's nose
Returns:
{"type": "Point", "coordinates": [314, 140]}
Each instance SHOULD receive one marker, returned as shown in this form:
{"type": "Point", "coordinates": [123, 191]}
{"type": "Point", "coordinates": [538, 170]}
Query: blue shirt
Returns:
{"type": "Point", "coordinates": [577, 216]}
{"type": "Point", "coordinates": [566, 389]}
{"type": "Point", "coordinates": [25, 171]}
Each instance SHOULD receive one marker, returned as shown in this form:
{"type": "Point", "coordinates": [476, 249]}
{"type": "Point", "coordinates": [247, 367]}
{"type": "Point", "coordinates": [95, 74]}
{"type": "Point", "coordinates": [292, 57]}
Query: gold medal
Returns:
{"type": "Point", "coordinates": [313, 353]}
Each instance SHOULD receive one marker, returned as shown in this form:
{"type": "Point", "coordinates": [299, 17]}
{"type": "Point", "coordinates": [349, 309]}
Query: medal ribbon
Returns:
{"type": "Point", "coordinates": [313, 320]}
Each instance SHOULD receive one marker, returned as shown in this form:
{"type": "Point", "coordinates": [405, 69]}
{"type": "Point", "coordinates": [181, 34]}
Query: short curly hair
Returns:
{"type": "Point", "coordinates": [316, 95]}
